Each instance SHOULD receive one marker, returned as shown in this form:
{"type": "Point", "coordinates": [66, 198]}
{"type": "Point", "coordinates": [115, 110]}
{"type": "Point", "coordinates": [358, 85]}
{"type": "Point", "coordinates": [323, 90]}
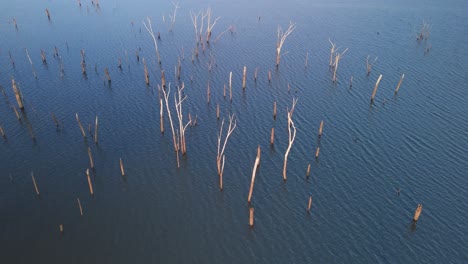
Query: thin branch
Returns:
{"type": "Point", "coordinates": [291, 137]}
{"type": "Point", "coordinates": [149, 28]}
{"type": "Point", "coordinates": [281, 38]}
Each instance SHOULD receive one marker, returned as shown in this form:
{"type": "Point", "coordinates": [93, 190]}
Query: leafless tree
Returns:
{"type": "Point", "coordinates": [149, 28]}
{"type": "Point", "coordinates": [292, 136]}
{"type": "Point", "coordinates": [282, 35]}
{"type": "Point", "coordinates": [182, 127]}
{"type": "Point", "coordinates": [173, 17]}
{"type": "Point", "coordinates": [220, 156]}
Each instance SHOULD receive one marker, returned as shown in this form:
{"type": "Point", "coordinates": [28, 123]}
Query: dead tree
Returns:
{"type": "Point", "coordinates": [222, 33]}
{"type": "Point", "coordinates": [417, 213]}
{"type": "Point", "coordinates": [332, 52]}
{"type": "Point", "coordinates": [335, 57]}
{"type": "Point", "coordinates": [282, 35]}
{"type": "Point", "coordinates": [254, 173]}
{"type": "Point", "coordinates": [32, 65]}
{"type": "Point", "coordinates": [173, 17]}
{"type": "Point", "coordinates": [209, 25]}
{"type": "Point", "coordinates": [149, 28]}
{"type": "Point", "coordinates": [338, 56]}
{"type": "Point", "coordinates": [292, 136]}
{"type": "Point", "coordinates": [198, 28]}
{"type": "Point", "coordinates": [370, 65]}
{"type": "Point", "coordinates": [220, 156]}
{"type": "Point", "coordinates": [18, 94]}
{"type": "Point", "coordinates": [424, 31]}
{"type": "Point", "coordinates": [375, 88]}
{"type": "Point", "coordinates": [399, 83]}
{"type": "Point", "coordinates": [166, 98]}
{"type": "Point", "coordinates": [182, 127]}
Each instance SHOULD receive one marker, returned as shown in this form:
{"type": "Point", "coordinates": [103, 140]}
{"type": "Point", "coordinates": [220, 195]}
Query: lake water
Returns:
{"type": "Point", "coordinates": [416, 141]}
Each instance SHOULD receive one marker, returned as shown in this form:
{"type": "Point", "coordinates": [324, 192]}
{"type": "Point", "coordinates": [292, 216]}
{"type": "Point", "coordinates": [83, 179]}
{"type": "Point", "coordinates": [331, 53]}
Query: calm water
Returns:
{"type": "Point", "coordinates": [416, 141]}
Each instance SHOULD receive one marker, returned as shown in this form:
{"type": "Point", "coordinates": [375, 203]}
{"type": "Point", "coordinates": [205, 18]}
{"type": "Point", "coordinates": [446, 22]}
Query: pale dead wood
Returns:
{"type": "Point", "coordinates": [254, 173]}
{"type": "Point", "coordinates": [281, 38]}
{"type": "Point", "coordinates": [182, 127]}
{"type": "Point", "coordinates": [222, 146]}
{"type": "Point", "coordinates": [90, 184]}
{"type": "Point", "coordinates": [79, 206]}
{"type": "Point", "coordinates": [18, 94]}
{"type": "Point", "coordinates": [173, 17]}
{"type": "Point", "coordinates": [149, 28]}
{"type": "Point", "coordinates": [417, 213]}
{"type": "Point", "coordinates": [399, 83]}
{"type": "Point", "coordinates": [80, 125]}
{"type": "Point", "coordinates": [166, 99]}
{"type": "Point", "coordinates": [375, 88]}
{"type": "Point", "coordinates": [291, 137]}
{"type": "Point", "coordinates": [35, 184]}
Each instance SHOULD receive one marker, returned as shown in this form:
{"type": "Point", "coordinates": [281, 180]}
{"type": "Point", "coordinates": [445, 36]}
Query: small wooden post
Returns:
{"type": "Point", "coordinates": [269, 76]}
{"type": "Point", "coordinates": [417, 213]}
{"type": "Point", "coordinates": [217, 111]}
{"type": "Point", "coordinates": [83, 67]}
{"type": "Point", "coordinates": [221, 175]}
{"type": "Point", "coordinates": [90, 158]}
{"type": "Point", "coordinates": [317, 152]}
{"type": "Point", "coordinates": [3, 93]}
{"type": "Point", "coordinates": [18, 94]}
{"type": "Point", "coordinates": [399, 83]}
{"type": "Point", "coordinates": [230, 86]}
{"type": "Point", "coordinates": [224, 91]}
{"type": "Point", "coordinates": [375, 88]}
{"type": "Point", "coordinates": [122, 167]}
{"type": "Point", "coordinates": [119, 63]}
{"type": "Point", "coordinates": [89, 182]}
{"type": "Point", "coordinates": [11, 59]}
{"type": "Point", "coordinates": [255, 74]}
{"type": "Point", "coordinates": [106, 72]}
{"type": "Point", "coordinates": [308, 171]}
{"type": "Point", "coordinates": [15, 24]}
{"type": "Point", "coordinates": [351, 81]}
{"type": "Point", "coordinates": [35, 184]}
{"type": "Point", "coordinates": [96, 131]}
{"type": "Point", "coordinates": [274, 110]}
{"type": "Point", "coordinates": [310, 203]}
{"type": "Point", "coordinates": [161, 111]}
{"type": "Point", "coordinates": [320, 129]}
{"type": "Point", "coordinates": [79, 206]}
{"type": "Point", "coordinates": [81, 126]}
{"type": "Point", "coordinates": [54, 118]}
{"type": "Point", "coordinates": [163, 80]}
{"type": "Point", "coordinates": [47, 13]}
{"type": "Point", "coordinates": [208, 92]}
{"type": "Point", "coordinates": [272, 137]}
{"type": "Point", "coordinates": [179, 68]}
{"type": "Point", "coordinates": [43, 57]}
{"type": "Point", "coordinates": [2, 132]}
{"type": "Point", "coordinates": [146, 72]}
{"type": "Point", "coordinates": [244, 77]}
{"type": "Point", "coordinates": [30, 62]}
{"type": "Point", "coordinates": [251, 217]}
{"type": "Point", "coordinates": [254, 172]}
{"type": "Point", "coordinates": [16, 113]}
